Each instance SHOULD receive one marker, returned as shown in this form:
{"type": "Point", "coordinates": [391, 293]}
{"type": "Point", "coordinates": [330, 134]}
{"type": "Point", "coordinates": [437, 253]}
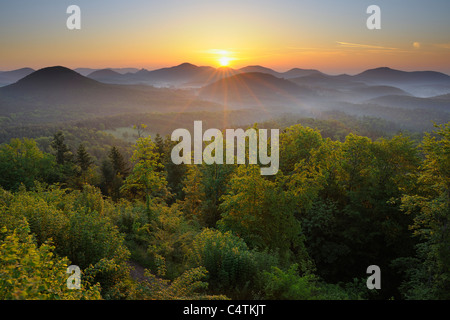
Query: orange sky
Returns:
{"type": "Point", "coordinates": [327, 35]}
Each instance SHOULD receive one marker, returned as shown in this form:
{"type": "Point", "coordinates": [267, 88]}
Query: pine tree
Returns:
{"type": "Point", "coordinates": [118, 162]}
{"type": "Point", "coordinates": [174, 173]}
{"type": "Point", "coordinates": [83, 159]}
{"type": "Point", "coordinates": [62, 151]}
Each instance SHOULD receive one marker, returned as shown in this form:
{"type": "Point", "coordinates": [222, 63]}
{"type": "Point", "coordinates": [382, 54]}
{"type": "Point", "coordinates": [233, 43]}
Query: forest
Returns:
{"type": "Point", "coordinates": [347, 195]}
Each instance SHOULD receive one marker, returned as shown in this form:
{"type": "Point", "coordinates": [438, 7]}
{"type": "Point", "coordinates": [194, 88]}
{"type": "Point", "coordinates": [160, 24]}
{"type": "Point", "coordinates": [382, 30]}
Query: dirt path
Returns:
{"type": "Point", "coordinates": [137, 271]}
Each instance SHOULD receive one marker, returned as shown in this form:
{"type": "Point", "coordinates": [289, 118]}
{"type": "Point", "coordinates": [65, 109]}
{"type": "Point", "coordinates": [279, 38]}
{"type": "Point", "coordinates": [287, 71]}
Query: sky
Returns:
{"type": "Point", "coordinates": [328, 35]}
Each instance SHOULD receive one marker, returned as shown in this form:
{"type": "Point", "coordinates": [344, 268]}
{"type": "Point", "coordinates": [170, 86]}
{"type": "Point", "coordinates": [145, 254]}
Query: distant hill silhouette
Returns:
{"type": "Point", "coordinates": [410, 102]}
{"type": "Point", "coordinates": [292, 73]}
{"type": "Point", "coordinates": [88, 71]}
{"type": "Point", "coordinates": [8, 77]}
{"type": "Point", "coordinates": [107, 76]}
{"type": "Point", "coordinates": [388, 75]}
{"type": "Point", "coordinates": [254, 88]}
{"type": "Point", "coordinates": [187, 75]}
{"type": "Point", "coordinates": [59, 92]}
{"type": "Point", "coordinates": [52, 77]}
{"type": "Point", "coordinates": [381, 91]}
{"type": "Point", "coordinates": [260, 69]}
{"type": "Point", "coordinates": [419, 83]}
{"type": "Point", "coordinates": [297, 72]}
{"type": "Point", "coordinates": [173, 76]}
{"type": "Point", "coordinates": [345, 89]}
{"type": "Point", "coordinates": [322, 80]}
{"type": "Point", "coordinates": [443, 97]}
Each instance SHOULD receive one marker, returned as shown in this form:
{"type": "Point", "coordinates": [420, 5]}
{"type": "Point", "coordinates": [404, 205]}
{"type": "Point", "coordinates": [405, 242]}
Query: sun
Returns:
{"type": "Point", "coordinates": [223, 57]}
{"type": "Point", "coordinates": [224, 61]}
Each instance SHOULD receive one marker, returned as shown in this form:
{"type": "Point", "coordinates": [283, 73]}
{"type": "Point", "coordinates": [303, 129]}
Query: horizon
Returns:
{"type": "Point", "coordinates": [324, 35]}
{"type": "Point", "coordinates": [218, 67]}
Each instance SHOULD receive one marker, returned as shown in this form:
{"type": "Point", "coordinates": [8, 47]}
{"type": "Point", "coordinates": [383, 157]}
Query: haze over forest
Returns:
{"type": "Point", "coordinates": [57, 94]}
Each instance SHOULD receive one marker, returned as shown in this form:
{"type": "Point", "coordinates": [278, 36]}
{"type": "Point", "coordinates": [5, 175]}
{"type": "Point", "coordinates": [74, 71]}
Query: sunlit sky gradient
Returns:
{"type": "Point", "coordinates": [329, 35]}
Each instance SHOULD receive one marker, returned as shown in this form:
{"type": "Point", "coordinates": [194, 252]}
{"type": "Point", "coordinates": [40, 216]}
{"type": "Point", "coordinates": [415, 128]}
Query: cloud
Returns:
{"type": "Point", "coordinates": [443, 45]}
{"type": "Point", "coordinates": [363, 46]}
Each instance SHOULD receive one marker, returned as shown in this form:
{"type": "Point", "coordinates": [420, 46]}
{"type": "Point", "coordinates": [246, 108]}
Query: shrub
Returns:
{"type": "Point", "coordinates": [231, 266]}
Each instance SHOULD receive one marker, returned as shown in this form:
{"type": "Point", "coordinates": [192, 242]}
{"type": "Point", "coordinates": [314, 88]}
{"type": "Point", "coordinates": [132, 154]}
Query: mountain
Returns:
{"type": "Point", "coordinates": [85, 71]}
{"type": "Point", "coordinates": [419, 83]}
{"type": "Point", "coordinates": [107, 76]}
{"type": "Point", "coordinates": [183, 75]}
{"type": "Point", "coordinates": [172, 77]}
{"type": "Point", "coordinates": [388, 75]}
{"type": "Point", "coordinates": [50, 86]}
{"type": "Point", "coordinates": [443, 96]}
{"type": "Point", "coordinates": [297, 72]}
{"type": "Point", "coordinates": [51, 77]}
{"type": "Point", "coordinates": [125, 70]}
{"type": "Point", "coordinates": [260, 69]}
{"type": "Point", "coordinates": [59, 93]}
{"type": "Point", "coordinates": [292, 73]}
{"type": "Point", "coordinates": [410, 102]}
{"type": "Point", "coordinates": [254, 88]}
{"type": "Point", "coordinates": [8, 77]}
{"type": "Point", "coordinates": [322, 80]}
{"type": "Point", "coordinates": [88, 71]}
{"type": "Point", "coordinates": [344, 88]}
{"type": "Point", "coordinates": [379, 91]}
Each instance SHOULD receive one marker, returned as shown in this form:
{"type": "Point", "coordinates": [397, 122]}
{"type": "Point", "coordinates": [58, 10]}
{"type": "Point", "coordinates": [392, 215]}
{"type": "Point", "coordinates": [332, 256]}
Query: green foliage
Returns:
{"type": "Point", "coordinates": [230, 264]}
{"type": "Point", "coordinates": [118, 162]}
{"type": "Point", "coordinates": [204, 186]}
{"type": "Point", "coordinates": [174, 173]}
{"type": "Point", "coordinates": [429, 204]}
{"type": "Point", "coordinates": [296, 143]}
{"type": "Point", "coordinates": [188, 286]}
{"type": "Point", "coordinates": [32, 272]}
{"type": "Point", "coordinates": [169, 239]}
{"type": "Point", "coordinates": [356, 206]}
{"type": "Point", "coordinates": [145, 179]}
{"type": "Point", "coordinates": [309, 232]}
{"type": "Point", "coordinates": [290, 285]}
{"type": "Point", "coordinates": [257, 209]}
{"type": "Point", "coordinates": [76, 224]}
{"type": "Point", "coordinates": [195, 196]}
{"type": "Point", "coordinates": [46, 222]}
{"type": "Point", "coordinates": [21, 162]}
{"type": "Point", "coordinates": [280, 285]}
{"type": "Point", "coordinates": [63, 153]}
{"type": "Point", "coordinates": [114, 171]}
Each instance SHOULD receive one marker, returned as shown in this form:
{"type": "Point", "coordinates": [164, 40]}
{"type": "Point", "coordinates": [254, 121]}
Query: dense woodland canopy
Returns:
{"type": "Point", "coordinates": [346, 196]}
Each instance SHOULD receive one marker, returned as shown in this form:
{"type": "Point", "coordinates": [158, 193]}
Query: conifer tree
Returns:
{"type": "Point", "coordinates": [62, 151]}
{"type": "Point", "coordinates": [118, 162]}
{"type": "Point", "coordinates": [83, 159]}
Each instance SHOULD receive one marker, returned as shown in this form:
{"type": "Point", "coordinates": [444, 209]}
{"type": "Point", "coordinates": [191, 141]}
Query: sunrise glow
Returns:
{"type": "Point", "coordinates": [224, 61]}
{"type": "Point", "coordinates": [300, 34]}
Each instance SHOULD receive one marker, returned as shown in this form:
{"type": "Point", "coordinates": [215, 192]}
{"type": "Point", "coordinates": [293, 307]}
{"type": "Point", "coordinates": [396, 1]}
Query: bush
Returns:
{"type": "Point", "coordinates": [31, 272]}
{"type": "Point", "coordinates": [231, 266]}
{"type": "Point", "coordinates": [74, 222]}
